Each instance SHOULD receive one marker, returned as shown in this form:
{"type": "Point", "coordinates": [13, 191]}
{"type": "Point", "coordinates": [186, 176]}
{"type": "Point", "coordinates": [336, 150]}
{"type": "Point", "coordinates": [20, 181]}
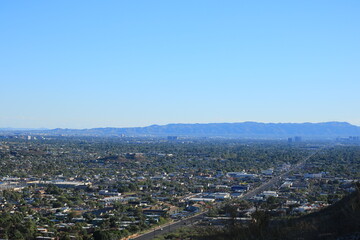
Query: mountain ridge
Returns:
{"type": "Point", "coordinates": [240, 129]}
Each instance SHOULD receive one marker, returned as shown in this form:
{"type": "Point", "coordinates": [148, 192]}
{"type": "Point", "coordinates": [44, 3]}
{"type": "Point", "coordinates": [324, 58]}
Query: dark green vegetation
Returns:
{"type": "Point", "coordinates": [89, 156]}
{"type": "Point", "coordinates": [145, 174]}
{"type": "Point", "coordinates": [338, 221]}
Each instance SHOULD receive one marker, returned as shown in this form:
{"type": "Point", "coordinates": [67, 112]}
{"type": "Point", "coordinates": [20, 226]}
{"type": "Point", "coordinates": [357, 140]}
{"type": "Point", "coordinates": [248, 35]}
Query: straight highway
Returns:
{"type": "Point", "coordinates": [196, 218]}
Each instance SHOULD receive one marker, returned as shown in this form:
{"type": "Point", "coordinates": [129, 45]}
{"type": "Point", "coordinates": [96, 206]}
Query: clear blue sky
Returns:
{"type": "Point", "coordinates": [82, 64]}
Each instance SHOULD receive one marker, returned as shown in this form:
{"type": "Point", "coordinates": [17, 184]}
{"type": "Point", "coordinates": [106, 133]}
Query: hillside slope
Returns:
{"type": "Point", "coordinates": [338, 221]}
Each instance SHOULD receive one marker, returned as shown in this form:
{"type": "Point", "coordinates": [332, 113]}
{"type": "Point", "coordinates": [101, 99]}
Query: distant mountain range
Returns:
{"type": "Point", "coordinates": [244, 129]}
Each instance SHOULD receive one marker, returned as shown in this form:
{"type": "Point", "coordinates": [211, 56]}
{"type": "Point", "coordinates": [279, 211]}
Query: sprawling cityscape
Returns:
{"type": "Point", "coordinates": [71, 187]}
{"type": "Point", "coordinates": [179, 120]}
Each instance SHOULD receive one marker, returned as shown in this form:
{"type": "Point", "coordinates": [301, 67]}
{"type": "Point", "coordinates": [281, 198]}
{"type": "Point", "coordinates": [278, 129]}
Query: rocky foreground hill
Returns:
{"type": "Point", "coordinates": [340, 221]}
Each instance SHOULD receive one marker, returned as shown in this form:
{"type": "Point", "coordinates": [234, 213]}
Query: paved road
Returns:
{"type": "Point", "coordinates": [171, 227]}
{"type": "Point", "coordinates": [269, 184]}
{"type": "Point", "coordinates": [192, 220]}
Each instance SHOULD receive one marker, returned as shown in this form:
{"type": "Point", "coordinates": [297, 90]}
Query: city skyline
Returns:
{"type": "Point", "coordinates": [125, 64]}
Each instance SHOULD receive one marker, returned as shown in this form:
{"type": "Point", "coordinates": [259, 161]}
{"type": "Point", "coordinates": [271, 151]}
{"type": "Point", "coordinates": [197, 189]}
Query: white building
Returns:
{"type": "Point", "coordinates": [268, 172]}
{"type": "Point", "coordinates": [202, 199]}
{"type": "Point", "coordinates": [267, 194]}
{"type": "Point", "coordinates": [286, 185]}
{"type": "Point", "coordinates": [219, 196]}
{"type": "Point", "coordinates": [240, 175]}
{"type": "Point", "coordinates": [107, 193]}
{"type": "Point", "coordinates": [112, 199]}
{"type": "Point", "coordinates": [313, 175]}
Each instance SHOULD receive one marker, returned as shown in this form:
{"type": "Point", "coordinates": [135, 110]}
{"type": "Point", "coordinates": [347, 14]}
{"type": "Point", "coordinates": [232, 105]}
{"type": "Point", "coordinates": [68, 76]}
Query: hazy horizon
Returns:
{"type": "Point", "coordinates": [31, 128]}
{"type": "Point", "coordinates": [81, 64]}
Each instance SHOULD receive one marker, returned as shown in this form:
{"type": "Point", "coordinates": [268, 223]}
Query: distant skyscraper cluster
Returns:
{"type": "Point", "coordinates": [295, 139]}
{"type": "Point", "coordinates": [172, 138]}
{"type": "Point", "coordinates": [349, 139]}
